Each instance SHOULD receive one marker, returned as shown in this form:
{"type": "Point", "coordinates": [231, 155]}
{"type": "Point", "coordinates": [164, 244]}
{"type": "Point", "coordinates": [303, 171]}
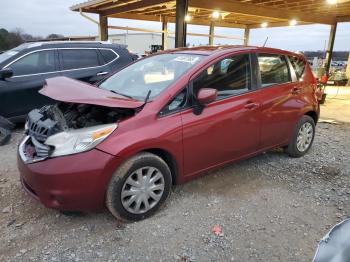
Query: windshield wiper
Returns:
{"type": "Point", "coordinates": [121, 94]}
{"type": "Point", "coordinates": [146, 99]}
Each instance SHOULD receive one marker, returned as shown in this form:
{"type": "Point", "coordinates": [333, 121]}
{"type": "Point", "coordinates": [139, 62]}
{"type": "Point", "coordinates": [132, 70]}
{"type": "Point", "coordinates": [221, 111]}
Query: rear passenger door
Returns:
{"type": "Point", "coordinates": [278, 91]}
{"type": "Point", "coordinates": [85, 64]}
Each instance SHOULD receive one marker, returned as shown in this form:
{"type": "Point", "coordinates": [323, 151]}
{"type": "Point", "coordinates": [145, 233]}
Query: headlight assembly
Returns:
{"type": "Point", "coordinates": [78, 140]}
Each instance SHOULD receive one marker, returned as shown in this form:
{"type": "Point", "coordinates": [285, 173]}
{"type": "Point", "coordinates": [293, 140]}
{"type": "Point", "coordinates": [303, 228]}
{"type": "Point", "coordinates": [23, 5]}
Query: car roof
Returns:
{"type": "Point", "coordinates": [214, 50]}
{"type": "Point", "coordinates": [28, 47]}
{"type": "Point", "coordinates": [57, 44]}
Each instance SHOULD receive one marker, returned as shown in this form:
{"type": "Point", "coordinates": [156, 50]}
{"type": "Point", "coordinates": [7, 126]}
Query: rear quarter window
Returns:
{"type": "Point", "coordinates": [176, 104]}
{"type": "Point", "coordinates": [298, 66]}
{"type": "Point", "coordinates": [108, 55]}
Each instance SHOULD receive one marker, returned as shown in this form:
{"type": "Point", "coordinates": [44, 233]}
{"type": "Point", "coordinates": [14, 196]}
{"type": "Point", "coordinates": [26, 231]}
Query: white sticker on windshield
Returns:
{"type": "Point", "coordinates": [187, 59]}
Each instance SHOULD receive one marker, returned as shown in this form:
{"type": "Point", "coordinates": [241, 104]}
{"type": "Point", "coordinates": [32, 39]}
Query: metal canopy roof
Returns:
{"type": "Point", "coordinates": [234, 13]}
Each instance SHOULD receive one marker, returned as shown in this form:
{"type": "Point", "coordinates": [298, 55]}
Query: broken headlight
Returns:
{"type": "Point", "coordinates": [78, 140]}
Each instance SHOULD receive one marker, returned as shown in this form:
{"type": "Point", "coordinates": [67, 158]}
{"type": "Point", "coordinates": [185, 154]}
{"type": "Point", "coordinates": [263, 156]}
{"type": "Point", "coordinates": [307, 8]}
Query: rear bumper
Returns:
{"type": "Point", "coordinates": [70, 183]}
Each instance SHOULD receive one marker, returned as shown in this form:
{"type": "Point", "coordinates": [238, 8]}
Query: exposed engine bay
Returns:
{"type": "Point", "coordinates": [52, 119]}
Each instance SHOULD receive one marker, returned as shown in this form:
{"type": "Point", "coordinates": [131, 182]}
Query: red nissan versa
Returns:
{"type": "Point", "coordinates": [161, 121]}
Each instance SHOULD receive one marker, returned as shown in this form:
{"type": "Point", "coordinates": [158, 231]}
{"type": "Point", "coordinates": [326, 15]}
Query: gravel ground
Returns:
{"type": "Point", "coordinates": [270, 208]}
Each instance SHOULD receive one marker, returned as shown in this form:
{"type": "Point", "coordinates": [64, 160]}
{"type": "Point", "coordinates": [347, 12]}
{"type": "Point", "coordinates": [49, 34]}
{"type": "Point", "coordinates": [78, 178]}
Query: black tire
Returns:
{"type": "Point", "coordinates": [116, 184]}
{"type": "Point", "coordinates": [292, 149]}
{"type": "Point", "coordinates": [5, 123]}
{"type": "Point", "coordinates": [5, 136]}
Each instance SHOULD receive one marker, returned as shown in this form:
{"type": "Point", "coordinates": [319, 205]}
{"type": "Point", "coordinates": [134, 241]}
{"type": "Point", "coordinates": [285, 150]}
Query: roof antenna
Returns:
{"type": "Point", "coordinates": [267, 38]}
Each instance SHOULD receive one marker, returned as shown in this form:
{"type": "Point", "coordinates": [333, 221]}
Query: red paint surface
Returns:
{"type": "Point", "coordinates": [227, 130]}
{"type": "Point", "coordinates": [73, 91]}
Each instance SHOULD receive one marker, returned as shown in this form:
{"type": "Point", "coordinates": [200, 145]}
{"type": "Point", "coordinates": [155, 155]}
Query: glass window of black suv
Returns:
{"type": "Point", "coordinates": [79, 58]}
{"type": "Point", "coordinates": [108, 55]}
{"type": "Point", "coordinates": [34, 63]}
{"type": "Point", "coordinates": [274, 69]}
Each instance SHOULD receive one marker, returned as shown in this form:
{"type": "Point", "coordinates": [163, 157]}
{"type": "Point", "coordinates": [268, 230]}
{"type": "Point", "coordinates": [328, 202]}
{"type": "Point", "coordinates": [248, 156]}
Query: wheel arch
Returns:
{"type": "Point", "coordinates": [313, 115]}
{"type": "Point", "coordinates": [168, 158]}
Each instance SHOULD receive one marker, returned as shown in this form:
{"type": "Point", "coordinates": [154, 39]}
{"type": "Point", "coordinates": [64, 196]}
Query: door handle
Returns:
{"type": "Point", "coordinates": [251, 105]}
{"type": "Point", "coordinates": [102, 73]}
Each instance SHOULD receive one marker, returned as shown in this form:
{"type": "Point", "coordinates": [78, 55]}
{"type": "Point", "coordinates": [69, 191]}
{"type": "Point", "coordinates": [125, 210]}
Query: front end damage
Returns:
{"type": "Point", "coordinates": [52, 128]}
{"type": "Point", "coordinates": [84, 116]}
{"type": "Point", "coordinates": [58, 161]}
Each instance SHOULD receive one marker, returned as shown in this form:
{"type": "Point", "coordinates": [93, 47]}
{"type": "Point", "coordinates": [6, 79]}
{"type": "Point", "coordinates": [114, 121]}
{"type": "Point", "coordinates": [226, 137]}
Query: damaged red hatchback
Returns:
{"type": "Point", "coordinates": [164, 120]}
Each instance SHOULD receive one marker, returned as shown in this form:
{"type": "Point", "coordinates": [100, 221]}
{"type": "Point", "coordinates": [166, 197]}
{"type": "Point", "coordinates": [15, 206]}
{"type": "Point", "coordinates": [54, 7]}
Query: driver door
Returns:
{"type": "Point", "coordinates": [228, 128]}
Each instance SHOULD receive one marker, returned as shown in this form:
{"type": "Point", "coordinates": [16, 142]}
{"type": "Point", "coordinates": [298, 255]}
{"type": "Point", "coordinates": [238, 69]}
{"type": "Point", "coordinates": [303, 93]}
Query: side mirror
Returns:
{"type": "Point", "coordinates": [6, 73]}
{"type": "Point", "coordinates": [206, 96]}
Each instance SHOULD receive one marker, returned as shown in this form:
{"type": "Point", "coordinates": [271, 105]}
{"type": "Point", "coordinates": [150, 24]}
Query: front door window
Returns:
{"type": "Point", "coordinates": [230, 76]}
{"type": "Point", "coordinates": [34, 63]}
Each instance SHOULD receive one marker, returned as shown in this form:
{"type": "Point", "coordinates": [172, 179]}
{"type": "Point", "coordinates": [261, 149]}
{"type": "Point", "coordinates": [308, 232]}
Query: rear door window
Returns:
{"type": "Point", "coordinates": [79, 58]}
{"type": "Point", "coordinates": [274, 69]}
{"type": "Point", "coordinates": [298, 66]}
{"type": "Point", "coordinates": [108, 55]}
{"type": "Point", "coordinates": [34, 63]}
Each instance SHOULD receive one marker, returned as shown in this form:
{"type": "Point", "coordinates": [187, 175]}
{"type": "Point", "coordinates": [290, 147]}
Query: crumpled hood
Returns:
{"type": "Point", "coordinates": [73, 91]}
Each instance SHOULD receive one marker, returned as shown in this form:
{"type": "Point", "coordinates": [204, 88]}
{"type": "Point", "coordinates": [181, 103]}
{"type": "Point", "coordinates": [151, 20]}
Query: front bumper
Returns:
{"type": "Point", "coordinates": [70, 183]}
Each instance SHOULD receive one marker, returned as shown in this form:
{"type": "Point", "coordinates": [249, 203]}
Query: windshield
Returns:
{"type": "Point", "coordinates": [154, 74]}
{"type": "Point", "coordinates": [7, 55]}
{"type": "Point", "coordinates": [13, 51]}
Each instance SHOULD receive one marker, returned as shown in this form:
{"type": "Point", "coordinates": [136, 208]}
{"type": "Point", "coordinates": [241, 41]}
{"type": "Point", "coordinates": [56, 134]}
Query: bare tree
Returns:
{"type": "Point", "coordinates": [54, 36]}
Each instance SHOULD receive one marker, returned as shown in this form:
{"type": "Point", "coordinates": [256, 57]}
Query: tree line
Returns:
{"type": "Point", "coordinates": [9, 40]}
{"type": "Point", "coordinates": [337, 55]}
{"type": "Point", "coordinates": [14, 38]}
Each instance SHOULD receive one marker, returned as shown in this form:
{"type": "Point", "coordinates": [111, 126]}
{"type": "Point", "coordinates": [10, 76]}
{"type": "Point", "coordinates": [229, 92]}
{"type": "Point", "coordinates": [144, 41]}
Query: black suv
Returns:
{"type": "Point", "coordinates": [23, 70]}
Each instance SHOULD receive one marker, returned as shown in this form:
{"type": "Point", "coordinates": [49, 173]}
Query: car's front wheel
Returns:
{"type": "Point", "coordinates": [139, 187]}
{"type": "Point", "coordinates": [302, 138]}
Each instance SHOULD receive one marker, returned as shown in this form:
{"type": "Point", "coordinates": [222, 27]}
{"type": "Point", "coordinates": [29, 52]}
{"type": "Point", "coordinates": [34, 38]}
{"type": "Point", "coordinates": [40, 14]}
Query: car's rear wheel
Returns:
{"type": "Point", "coordinates": [302, 138]}
{"type": "Point", "coordinates": [139, 187]}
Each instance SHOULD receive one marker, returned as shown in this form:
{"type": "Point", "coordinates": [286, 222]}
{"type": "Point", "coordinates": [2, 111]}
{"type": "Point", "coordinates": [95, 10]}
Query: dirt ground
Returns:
{"type": "Point", "coordinates": [337, 105]}
{"type": "Point", "coordinates": [270, 208]}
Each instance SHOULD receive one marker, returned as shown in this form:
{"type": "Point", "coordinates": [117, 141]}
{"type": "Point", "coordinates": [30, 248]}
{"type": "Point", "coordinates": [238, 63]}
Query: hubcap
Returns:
{"type": "Point", "coordinates": [304, 138]}
{"type": "Point", "coordinates": [142, 190]}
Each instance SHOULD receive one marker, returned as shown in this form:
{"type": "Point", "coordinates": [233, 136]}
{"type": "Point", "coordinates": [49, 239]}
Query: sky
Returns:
{"type": "Point", "coordinates": [42, 17]}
